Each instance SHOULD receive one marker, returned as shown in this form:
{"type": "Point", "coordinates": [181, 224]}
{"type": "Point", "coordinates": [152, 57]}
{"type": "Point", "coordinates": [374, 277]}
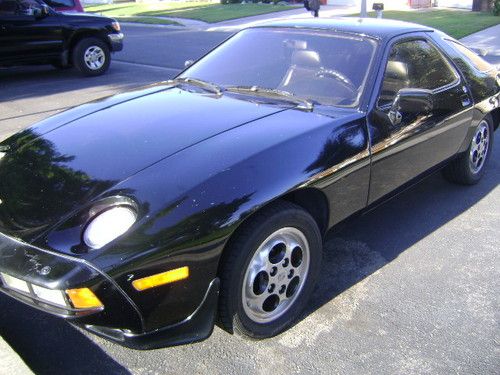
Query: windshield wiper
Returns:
{"type": "Point", "coordinates": [304, 104]}
{"type": "Point", "coordinates": [212, 87]}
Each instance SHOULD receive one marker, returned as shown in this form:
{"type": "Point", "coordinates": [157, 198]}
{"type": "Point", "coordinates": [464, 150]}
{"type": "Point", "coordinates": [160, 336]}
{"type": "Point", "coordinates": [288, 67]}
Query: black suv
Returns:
{"type": "Point", "coordinates": [33, 33]}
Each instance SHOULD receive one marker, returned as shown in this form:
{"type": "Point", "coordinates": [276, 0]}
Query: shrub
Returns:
{"type": "Point", "coordinates": [496, 8]}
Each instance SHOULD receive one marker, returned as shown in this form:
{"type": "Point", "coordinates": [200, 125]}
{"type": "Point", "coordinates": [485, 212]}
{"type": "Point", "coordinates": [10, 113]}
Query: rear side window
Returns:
{"type": "Point", "coordinates": [471, 56]}
{"type": "Point", "coordinates": [415, 64]}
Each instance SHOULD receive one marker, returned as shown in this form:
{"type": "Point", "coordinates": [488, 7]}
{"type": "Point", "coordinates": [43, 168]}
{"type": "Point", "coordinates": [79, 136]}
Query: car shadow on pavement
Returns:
{"type": "Point", "coordinates": [47, 343]}
{"type": "Point", "coordinates": [361, 245]}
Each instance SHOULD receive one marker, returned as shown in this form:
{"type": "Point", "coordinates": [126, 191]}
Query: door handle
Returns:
{"type": "Point", "coordinates": [465, 100]}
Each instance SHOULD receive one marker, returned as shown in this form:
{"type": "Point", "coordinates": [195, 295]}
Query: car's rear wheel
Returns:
{"type": "Point", "coordinates": [91, 56]}
{"type": "Point", "coordinates": [469, 167]}
{"type": "Point", "coordinates": [269, 270]}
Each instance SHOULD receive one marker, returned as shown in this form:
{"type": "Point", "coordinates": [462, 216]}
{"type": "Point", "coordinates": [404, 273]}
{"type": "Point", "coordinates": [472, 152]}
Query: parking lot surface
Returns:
{"type": "Point", "coordinates": [410, 287]}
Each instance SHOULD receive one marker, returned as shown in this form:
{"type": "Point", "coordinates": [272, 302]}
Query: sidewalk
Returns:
{"type": "Point", "coordinates": [488, 40]}
{"type": "Point", "coordinates": [326, 11]}
{"type": "Point", "coordinates": [10, 362]}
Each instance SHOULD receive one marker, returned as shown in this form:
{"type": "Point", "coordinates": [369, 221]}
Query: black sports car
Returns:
{"type": "Point", "coordinates": [145, 216]}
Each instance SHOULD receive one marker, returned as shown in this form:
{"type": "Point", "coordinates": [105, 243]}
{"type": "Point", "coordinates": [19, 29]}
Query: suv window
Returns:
{"type": "Point", "coordinates": [18, 7]}
{"type": "Point", "coordinates": [474, 59]}
{"type": "Point", "coordinates": [61, 3]}
{"type": "Point", "coordinates": [415, 64]}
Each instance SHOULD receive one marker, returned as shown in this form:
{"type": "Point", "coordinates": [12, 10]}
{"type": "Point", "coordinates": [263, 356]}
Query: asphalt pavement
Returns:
{"type": "Point", "coordinates": [151, 54]}
{"type": "Point", "coordinates": [411, 287]}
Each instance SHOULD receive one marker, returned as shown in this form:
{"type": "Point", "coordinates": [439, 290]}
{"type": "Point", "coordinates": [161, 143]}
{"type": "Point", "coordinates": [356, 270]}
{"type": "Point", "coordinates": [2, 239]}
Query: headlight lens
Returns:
{"type": "Point", "coordinates": [115, 25]}
{"type": "Point", "coordinates": [54, 296]}
{"type": "Point", "coordinates": [108, 225]}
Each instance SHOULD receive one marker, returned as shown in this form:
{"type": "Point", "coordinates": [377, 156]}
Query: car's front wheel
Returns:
{"type": "Point", "coordinates": [91, 56]}
{"type": "Point", "coordinates": [269, 271]}
{"type": "Point", "coordinates": [469, 167]}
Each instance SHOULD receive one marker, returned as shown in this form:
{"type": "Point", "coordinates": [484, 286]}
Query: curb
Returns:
{"type": "Point", "coordinates": [149, 25]}
{"type": "Point", "coordinates": [11, 363]}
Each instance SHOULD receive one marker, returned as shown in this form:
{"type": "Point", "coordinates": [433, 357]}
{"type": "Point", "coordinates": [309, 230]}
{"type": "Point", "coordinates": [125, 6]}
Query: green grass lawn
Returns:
{"type": "Point", "coordinates": [453, 22]}
{"type": "Point", "coordinates": [197, 10]}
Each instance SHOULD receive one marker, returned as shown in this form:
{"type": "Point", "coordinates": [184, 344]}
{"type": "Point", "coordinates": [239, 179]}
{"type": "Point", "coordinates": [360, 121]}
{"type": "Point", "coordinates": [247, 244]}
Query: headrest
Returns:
{"type": "Point", "coordinates": [306, 58]}
{"type": "Point", "coordinates": [397, 70]}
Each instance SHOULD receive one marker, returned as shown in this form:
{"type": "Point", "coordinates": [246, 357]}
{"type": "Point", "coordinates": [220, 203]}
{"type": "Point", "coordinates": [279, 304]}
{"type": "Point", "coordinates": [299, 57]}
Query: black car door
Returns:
{"type": "Point", "coordinates": [26, 34]}
{"type": "Point", "coordinates": [407, 142]}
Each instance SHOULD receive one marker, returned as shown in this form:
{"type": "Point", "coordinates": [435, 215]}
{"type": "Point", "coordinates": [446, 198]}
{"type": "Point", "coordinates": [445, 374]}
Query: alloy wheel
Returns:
{"type": "Point", "coordinates": [94, 57]}
{"type": "Point", "coordinates": [479, 147]}
{"type": "Point", "coordinates": [275, 275]}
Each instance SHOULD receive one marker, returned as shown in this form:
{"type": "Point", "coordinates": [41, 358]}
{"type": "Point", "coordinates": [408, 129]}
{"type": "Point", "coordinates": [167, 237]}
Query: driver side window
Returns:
{"type": "Point", "coordinates": [12, 8]}
{"type": "Point", "coordinates": [414, 64]}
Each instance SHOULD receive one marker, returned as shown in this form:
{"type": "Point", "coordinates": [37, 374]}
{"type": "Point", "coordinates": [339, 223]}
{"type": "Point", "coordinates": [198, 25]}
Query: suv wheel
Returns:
{"type": "Point", "coordinates": [91, 56]}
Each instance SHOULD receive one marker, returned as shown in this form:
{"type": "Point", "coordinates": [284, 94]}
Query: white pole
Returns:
{"type": "Point", "coordinates": [363, 9]}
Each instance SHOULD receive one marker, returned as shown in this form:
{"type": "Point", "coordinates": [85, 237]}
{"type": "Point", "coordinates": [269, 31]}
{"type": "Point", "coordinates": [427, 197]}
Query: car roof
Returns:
{"type": "Point", "coordinates": [378, 28]}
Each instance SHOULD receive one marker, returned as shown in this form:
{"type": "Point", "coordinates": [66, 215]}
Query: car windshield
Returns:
{"type": "Point", "coordinates": [319, 66]}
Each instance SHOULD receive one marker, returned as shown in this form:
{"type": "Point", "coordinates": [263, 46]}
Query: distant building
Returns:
{"type": "Point", "coordinates": [466, 4]}
{"type": "Point", "coordinates": [389, 4]}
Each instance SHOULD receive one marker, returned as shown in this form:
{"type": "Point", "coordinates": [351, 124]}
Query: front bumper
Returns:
{"type": "Point", "coordinates": [116, 41]}
{"type": "Point", "coordinates": [196, 327]}
{"type": "Point", "coordinates": [120, 319]}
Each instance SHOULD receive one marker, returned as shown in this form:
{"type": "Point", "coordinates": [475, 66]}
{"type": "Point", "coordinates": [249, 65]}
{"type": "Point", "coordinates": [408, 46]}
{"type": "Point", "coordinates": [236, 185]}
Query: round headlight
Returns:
{"type": "Point", "coordinates": [108, 225]}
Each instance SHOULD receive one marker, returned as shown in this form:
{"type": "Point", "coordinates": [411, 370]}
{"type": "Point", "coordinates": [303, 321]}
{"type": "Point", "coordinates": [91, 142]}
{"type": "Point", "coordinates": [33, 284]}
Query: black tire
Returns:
{"type": "Point", "coordinates": [79, 61]}
{"type": "Point", "coordinates": [461, 170]}
{"type": "Point", "coordinates": [240, 252]}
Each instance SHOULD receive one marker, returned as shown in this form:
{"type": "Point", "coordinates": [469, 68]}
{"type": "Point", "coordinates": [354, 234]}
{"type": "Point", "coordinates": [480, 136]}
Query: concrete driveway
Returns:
{"type": "Point", "coordinates": [411, 287]}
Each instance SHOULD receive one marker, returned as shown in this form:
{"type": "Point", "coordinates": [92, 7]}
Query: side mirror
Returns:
{"type": "Point", "coordinates": [188, 63]}
{"type": "Point", "coordinates": [412, 102]}
{"type": "Point", "coordinates": [41, 12]}
{"type": "Point", "coordinates": [45, 10]}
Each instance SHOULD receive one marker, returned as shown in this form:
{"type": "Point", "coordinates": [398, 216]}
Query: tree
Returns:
{"type": "Point", "coordinates": [363, 12]}
{"type": "Point", "coordinates": [481, 5]}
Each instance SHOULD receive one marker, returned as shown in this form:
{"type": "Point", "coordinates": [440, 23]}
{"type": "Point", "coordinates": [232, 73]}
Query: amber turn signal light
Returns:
{"type": "Point", "coordinates": [161, 278]}
{"type": "Point", "coordinates": [83, 298]}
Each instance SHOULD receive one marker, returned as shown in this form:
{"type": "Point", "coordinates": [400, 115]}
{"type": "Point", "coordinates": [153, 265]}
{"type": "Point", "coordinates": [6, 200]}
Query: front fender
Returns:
{"type": "Point", "coordinates": [191, 202]}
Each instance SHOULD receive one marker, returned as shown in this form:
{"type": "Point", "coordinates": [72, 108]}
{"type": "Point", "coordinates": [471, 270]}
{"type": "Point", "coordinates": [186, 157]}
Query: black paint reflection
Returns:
{"type": "Point", "coordinates": [342, 144]}
{"type": "Point", "coordinates": [38, 187]}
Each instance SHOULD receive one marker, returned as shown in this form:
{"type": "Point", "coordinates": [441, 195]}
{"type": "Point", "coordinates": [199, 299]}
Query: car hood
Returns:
{"type": "Point", "coordinates": [83, 17]}
{"type": "Point", "coordinates": [53, 169]}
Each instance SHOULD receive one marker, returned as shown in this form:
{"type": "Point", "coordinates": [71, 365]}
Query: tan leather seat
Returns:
{"type": "Point", "coordinates": [304, 66]}
{"type": "Point", "coordinates": [395, 78]}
